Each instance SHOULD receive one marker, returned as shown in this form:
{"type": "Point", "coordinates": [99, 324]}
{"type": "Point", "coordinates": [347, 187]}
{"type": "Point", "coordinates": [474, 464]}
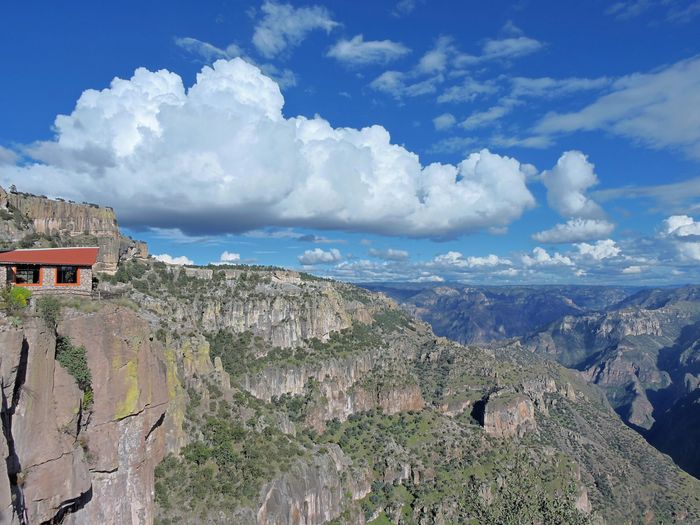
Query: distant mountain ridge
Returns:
{"type": "Point", "coordinates": [481, 314]}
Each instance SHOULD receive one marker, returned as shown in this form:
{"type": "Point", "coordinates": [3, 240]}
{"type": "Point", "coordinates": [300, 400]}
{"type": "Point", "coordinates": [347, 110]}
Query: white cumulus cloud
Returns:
{"type": "Point", "coordinates": [227, 258]}
{"type": "Point", "coordinates": [201, 160]}
{"type": "Point", "coordinates": [359, 52]}
{"type": "Point", "coordinates": [681, 226]}
{"type": "Point", "coordinates": [575, 230]}
{"type": "Point", "coordinates": [540, 257]}
{"type": "Point", "coordinates": [567, 184]}
{"type": "Point", "coordinates": [230, 257]}
{"type": "Point", "coordinates": [169, 259]}
{"type": "Point", "coordinates": [319, 256]}
{"type": "Point", "coordinates": [600, 250]}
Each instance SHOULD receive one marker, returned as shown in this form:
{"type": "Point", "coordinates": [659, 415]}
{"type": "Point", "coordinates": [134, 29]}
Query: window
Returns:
{"type": "Point", "coordinates": [67, 275]}
{"type": "Point", "coordinates": [27, 274]}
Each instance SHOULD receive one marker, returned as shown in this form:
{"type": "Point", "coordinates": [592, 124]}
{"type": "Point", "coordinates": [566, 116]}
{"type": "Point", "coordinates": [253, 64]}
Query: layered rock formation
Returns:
{"type": "Point", "coordinates": [67, 223]}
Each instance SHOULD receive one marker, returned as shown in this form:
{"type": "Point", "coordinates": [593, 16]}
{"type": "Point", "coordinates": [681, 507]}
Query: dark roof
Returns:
{"type": "Point", "coordinates": [53, 256]}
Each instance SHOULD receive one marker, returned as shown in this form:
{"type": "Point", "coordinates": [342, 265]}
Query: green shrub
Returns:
{"type": "Point", "coordinates": [74, 360]}
{"type": "Point", "coordinates": [15, 299]}
{"type": "Point", "coordinates": [49, 310]}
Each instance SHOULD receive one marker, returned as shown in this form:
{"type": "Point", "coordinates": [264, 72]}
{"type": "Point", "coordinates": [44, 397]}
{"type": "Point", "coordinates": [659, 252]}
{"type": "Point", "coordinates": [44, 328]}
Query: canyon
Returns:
{"type": "Point", "coordinates": [259, 395]}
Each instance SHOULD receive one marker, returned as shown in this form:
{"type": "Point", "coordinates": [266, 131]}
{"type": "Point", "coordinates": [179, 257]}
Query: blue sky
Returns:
{"type": "Point", "coordinates": [391, 140]}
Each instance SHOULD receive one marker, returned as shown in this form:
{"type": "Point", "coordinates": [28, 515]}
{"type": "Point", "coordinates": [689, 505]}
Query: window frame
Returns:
{"type": "Point", "coordinates": [77, 275]}
{"type": "Point", "coordinates": [40, 282]}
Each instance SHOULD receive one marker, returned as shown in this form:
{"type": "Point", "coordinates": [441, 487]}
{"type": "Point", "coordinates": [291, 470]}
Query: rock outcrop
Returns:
{"type": "Point", "coordinates": [47, 470]}
{"type": "Point", "coordinates": [65, 221]}
{"type": "Point", "coordinates": [67, 461]}
{"type": "Point", "coordinates": [313, 493]}
{"type": "Point", "coordinates": [508, 415]}
{"type": "Point", "coordinates": [124, 438]}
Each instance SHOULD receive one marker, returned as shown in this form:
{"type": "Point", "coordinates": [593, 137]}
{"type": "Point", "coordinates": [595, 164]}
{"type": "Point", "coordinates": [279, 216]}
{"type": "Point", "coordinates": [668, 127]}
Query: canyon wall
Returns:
{"type": "Point", "coordinates": [68, 223]}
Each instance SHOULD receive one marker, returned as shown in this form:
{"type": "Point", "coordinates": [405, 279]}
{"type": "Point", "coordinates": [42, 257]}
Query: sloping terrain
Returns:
{"type": "Point", "coordinates": [641, 347]}
{"type": "Point", "coordinates": [301, 400]}
{"type": "Point", "coordinates": [279, 398]}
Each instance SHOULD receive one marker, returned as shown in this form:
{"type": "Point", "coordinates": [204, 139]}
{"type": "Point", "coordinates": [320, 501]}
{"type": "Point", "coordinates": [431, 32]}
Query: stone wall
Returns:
{"type": "Point", "coordinates": [48, 282]}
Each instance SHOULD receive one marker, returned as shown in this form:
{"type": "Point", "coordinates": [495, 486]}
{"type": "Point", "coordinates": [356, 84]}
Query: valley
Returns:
{"type": "Point", "coordinates": [639, 346]}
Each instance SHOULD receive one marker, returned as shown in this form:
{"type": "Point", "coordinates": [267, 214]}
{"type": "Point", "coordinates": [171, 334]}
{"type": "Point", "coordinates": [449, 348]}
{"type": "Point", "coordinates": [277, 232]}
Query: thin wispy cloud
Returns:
{"type": "Point", "coordinates": [650, 108]}
{"type": "Point", "coordinates": [284, 26]}
{"type": "Point", "coordinates": [360, 52]}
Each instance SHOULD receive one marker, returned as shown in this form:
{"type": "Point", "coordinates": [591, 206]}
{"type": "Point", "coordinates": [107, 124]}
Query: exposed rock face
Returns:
{"type": "Point", "coordinates": [638, 353]}
{"type": "Point", "coordinates": [339, 383]}
{"type": "Point", "coordinates": [124, 440]}
{"type": "Point", "coordinates": [66, 462]}
{"type": "Point", "coordinates": [338, 403]}
{"type": "Point", "coordinates": [283, 321]}
{"type": "Point", "coordinates": [40, 426]}
{"type": "Point", "coordinates": [312, 493]}
{"type": "Point", "coordinates": [59, 218]}
{"type": "Point", "coordinates": [506, 416]}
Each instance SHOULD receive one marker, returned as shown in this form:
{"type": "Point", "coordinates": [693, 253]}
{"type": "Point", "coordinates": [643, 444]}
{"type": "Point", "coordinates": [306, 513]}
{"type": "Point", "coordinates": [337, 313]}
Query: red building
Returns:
{"type": "Point", "coordinates": [49, 270]}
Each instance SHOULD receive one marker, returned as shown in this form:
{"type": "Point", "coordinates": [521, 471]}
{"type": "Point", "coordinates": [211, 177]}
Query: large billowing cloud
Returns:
{"type": "Point", "coordinates": [221, 157]}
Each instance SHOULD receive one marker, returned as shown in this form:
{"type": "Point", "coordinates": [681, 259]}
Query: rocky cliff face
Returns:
{"type": "Point", "coordinates": [31, 217]}
{"type": "Point", "coordinates": [68, 460]}
{"type": "Point", "coordinates": [46, 468]}
{"type": "Point", "coordinates": [635, 353]}
{"type": "Point", "coordinates": [312, 493]}
{"type": "Point", "coordinates": [508, 416]}
{"type": "Point", "coordinates": [276, 305]}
